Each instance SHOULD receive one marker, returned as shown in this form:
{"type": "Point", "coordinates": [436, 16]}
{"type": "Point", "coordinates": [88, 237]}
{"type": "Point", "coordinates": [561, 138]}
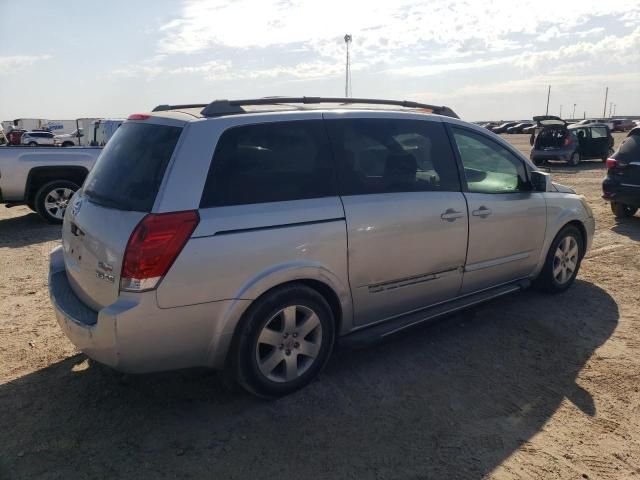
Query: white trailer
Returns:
{"type": "Point", "coordinates": [60, 127]}
{"type": "Point", "coordinates": [30, 123]}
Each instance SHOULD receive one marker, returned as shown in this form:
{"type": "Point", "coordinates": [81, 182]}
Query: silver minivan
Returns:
{"type": "Point", "coordinates": [250, 235]}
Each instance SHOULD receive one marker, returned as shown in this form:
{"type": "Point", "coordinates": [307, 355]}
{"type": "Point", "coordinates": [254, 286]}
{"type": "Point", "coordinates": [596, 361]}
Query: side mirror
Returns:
{"type": "Point", "coordinates": [540, 181]}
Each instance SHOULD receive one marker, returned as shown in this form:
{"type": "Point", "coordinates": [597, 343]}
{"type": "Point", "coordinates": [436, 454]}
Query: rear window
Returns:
{"type": "Point", "coordinates": [629, 151]}
{"type": "Point", "coordinates": [129, 171]}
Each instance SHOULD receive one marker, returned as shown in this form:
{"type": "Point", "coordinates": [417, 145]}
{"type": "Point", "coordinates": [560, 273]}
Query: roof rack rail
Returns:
{"type": "Point", "coordinates": [164, 108]}
{"type": "Point", "coordinates": [228, 107]}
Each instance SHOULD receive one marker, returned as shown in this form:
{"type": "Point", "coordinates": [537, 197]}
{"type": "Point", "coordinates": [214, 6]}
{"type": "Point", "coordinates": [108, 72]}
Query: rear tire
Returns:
{"type": "Point", "coordinates": [33, 144]}
{"type": "Point", "coordinates": [283, 342]}
{"type": "Point", "coordinates": [574, 159]}
{"type": "Point", "coordinates": [563, 261]}
{"type": "Point", "coordinates": [620, 210]}
{"type": "Point", "coordinates": [52, 199]}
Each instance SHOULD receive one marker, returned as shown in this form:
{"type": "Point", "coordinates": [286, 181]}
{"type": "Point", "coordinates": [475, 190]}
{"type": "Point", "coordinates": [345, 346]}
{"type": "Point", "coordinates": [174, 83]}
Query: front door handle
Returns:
{"type": "Point", "coordinates": [482, 212]}
{"type": "Point", "coordinates": [451, 215]}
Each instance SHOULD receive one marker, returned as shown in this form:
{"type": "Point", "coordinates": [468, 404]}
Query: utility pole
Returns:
{"type": "Point", "coordinates": [573, 115]}
{"type": "Point", "coordinates": [614, 109]}
{"type": "Point", "coordinates": [606, 95]}
{"type": "Point", "coordinates": [548, 95]}
{"type": "Point", "coordinates": [560, 111]}
{"type": "Point", "coordinates": [347, 81]}
{"type": "Point", "coordinates": [610, 107]}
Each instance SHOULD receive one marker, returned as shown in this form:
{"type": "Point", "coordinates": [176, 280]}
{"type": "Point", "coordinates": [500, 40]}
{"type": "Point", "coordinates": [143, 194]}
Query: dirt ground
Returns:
{"type": "Point", "coordinates": [530, 387]}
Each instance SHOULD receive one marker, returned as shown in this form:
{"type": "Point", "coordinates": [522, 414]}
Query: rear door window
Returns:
{"type": "Point", "coordinates": [130, 169]}
{"type": "Point", "coordinates": [378, 155]}
{"type": "Point", "coordinates": [598, 132]}
{"type": "Point", "coordinates": [270, 162]}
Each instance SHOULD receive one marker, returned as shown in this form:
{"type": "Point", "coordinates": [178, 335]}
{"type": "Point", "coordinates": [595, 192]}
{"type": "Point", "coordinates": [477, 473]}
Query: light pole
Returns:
{"type": "Point", "coordinates": [560, 111]}
{"type": "Point", "coordinates": [604, 111]}
{"type": "Point", "coordinates": [614, 109]}
{"type": "Point", "coordinates": [347, 81]}
{"type": "Point", "coordinates": [548, 95]}
{"type": "Point", "coordinates": [573, 115]}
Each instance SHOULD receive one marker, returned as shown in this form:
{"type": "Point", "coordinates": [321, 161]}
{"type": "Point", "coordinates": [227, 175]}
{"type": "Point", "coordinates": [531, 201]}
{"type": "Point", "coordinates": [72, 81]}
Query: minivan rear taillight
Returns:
{"type": "Point", "coordinates": [153, 247]}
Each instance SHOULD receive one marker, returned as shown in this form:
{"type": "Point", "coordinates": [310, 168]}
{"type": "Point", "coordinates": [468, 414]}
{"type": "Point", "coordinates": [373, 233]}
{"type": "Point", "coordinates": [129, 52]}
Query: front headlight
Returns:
{"type": "Point", "coordinates": [586, 206]}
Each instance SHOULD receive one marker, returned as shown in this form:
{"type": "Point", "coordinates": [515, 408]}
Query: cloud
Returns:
{"type": "Point", "coordinates": [17, 62]}
{"type": "Point", "coordinates": [297, 40]}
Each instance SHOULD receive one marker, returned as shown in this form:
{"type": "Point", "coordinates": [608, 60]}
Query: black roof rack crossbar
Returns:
{"type": "Point", "coordinates": [226, 107]}
{"type": "Point", "coordinates": [164, 108]}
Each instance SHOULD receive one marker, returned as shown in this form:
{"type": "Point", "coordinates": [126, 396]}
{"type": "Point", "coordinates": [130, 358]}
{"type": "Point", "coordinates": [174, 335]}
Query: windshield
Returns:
{"type": "Point", "coordinates": [129, 171]}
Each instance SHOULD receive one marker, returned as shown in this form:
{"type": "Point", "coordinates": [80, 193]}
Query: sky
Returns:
{"type": "Point", "coordinates": [485, 59]}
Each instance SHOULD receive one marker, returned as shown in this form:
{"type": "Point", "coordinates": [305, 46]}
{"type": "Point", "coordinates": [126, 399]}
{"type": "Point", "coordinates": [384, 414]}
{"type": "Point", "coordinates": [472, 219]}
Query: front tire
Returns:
{"type": "Point", "coordinates": [284, 341]}
{"type": "Point", "coordinates": [563, 261]}
{"type": "Point", "coordinates": [620, 210]}
{"type": "Point", "coordinates": [33, 144]}
{"type": "Point", "coordinates": [52, 199]}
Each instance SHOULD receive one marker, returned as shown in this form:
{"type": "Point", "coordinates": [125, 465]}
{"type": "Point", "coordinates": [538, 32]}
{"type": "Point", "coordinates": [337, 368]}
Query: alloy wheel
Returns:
{"type": "Point", "coordinates": [57, 201]}
{"type": "Point", "coordinates": [565, 260]}
{"type": "Point", "coordinates": [289, 343]}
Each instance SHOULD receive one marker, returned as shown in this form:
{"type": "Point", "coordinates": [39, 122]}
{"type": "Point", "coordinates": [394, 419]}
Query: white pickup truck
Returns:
{"type": "Point", "coordinates": [44, 178]}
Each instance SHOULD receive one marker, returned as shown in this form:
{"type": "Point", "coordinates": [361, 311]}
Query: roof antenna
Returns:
{"type": "Point", "coordinates": [347, 84]}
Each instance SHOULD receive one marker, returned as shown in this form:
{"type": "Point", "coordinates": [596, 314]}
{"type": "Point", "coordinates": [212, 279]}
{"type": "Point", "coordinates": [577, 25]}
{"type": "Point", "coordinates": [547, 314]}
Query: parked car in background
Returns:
{"type": "Point", "coordinates": [3, 137]}
{"type": "Point", "coordinates": [37, 138]}
{"type": "Point", "coordinates": [489, 125]}
{"type": "Point", "coordinates": [217, 236]}
{"type": "Point", "coordinates": [529, 129]}
{"type": "Point", "coordinates": [621, 187]}
{"type": "Point", "coordinates": [519, 127]}
{"type": "Point", "coordinates": [45, 178]}
{"type": "Point", "coordinates": [589, 121]}
{"type": "Point", "coordinates": [553, 139]}
{"type": "Point", "coordinates": [621, 124]}
{"type": "Point", "coordinates": [15, 135]}
{"type": "Point", "coordinates": [502, 128]}
{"type": "Point", "coordinates": [72, 139]}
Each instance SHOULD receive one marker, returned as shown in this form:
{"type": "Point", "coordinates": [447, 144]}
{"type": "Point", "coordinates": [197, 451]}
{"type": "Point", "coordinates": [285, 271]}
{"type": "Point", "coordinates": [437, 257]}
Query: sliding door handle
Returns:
{"type": "Point", "coordinates": [482, 212]}
{"type": "Point", "coordinates": [451, 215]}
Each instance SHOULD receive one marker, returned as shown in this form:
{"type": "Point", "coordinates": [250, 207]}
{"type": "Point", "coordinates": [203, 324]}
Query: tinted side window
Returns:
{"type": "Point", "coordinates": [270, 162]}
{"type": "Point", "coordinates": [389, 155]}
{"type": "Point", "coordinates": [598, 132]}
{"type": "Point", "coordinates": [489, 167]}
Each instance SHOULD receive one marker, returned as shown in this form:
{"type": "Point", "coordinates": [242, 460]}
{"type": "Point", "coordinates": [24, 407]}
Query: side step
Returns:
{"type": "Point", "coordinates": [379, 331]}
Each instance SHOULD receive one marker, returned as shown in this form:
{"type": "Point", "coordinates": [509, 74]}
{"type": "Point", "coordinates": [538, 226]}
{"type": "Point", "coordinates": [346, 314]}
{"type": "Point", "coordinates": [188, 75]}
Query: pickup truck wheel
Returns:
{"type": "Point", "coordinates": [283, 342]}
{"type": "Point", "coordinates": [563, 261]}
{"type": "Point", "coordinates": [620, 210]}
{"type": "Point", "coordinates": [52, 200]}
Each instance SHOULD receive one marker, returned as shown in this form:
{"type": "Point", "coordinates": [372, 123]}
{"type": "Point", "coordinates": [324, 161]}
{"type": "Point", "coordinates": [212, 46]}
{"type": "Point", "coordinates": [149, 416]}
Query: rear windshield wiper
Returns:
{"type": "Point", "coordinates": [105, 201]}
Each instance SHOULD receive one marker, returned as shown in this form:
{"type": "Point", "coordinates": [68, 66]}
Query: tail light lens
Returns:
{"type": "Point", "coordinates": [153, 247]}
{"type": "Point", "coordinates": [612, 163]}
{"type": "Point", "coordinates": [567, 141]}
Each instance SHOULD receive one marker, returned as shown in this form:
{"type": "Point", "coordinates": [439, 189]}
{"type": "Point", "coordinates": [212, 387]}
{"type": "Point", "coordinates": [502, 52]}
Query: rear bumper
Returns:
{"type": "Point", "coordinates": [542, 155]}
{"type": "Point", "coordinates": [134, 335]}
{"type": "Point", "coordinates": [616, 191]}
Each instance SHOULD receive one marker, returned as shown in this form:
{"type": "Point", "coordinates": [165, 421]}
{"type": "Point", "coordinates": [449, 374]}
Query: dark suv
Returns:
{"type": "Point", "coordinates": [554, 139]}
{"type": "Point", "coordinates": [621, 187]}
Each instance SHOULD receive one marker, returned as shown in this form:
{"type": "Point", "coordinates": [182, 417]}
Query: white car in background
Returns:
{"type": "Point", "coordinates": [69, 139]}
{"type": "Point", "coordinates": [37, 138]}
